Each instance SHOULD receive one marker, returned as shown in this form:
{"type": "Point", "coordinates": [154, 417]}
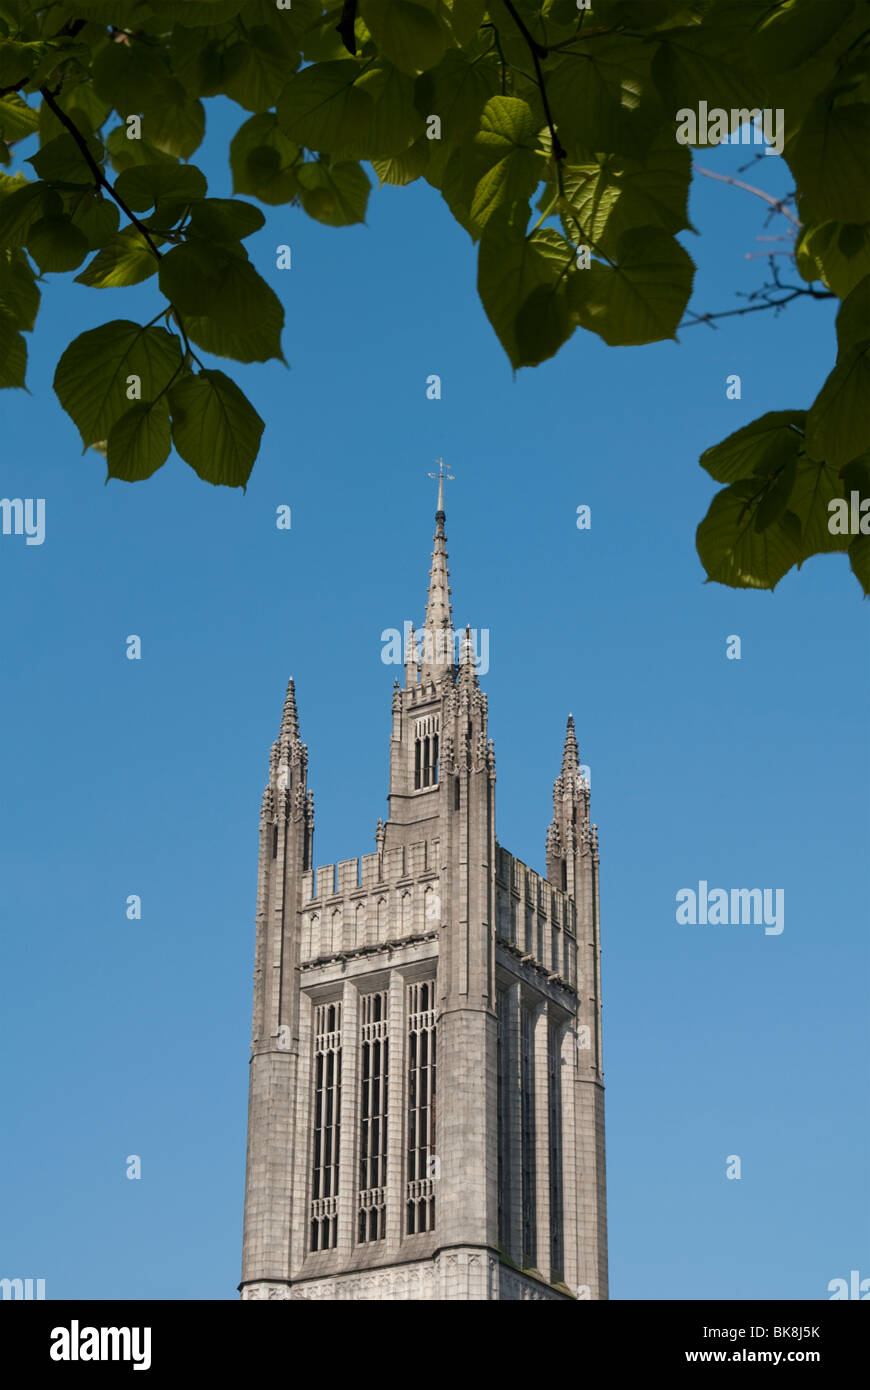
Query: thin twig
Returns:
{"type": "Point", "coordinates": [777, 203]}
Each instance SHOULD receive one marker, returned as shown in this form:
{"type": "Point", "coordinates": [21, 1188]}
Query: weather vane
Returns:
{"type": "Point", "coordinates": [441, 475]}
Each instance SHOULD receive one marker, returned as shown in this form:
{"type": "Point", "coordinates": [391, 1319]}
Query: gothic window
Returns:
{"type": "Point", "coordinates": [527, 1079]}
{"type": "Point", "coordinates": [406, 914]}
{"type": "Point", "coordinates": [374, 1073]}
{"type": "Point", "coordinates": [554, 1105]}
{"type": "Point", "coordinates": [274, 842]}
{"type": "Point", "coordinates": [426, 752]}
{"type": "Point", "coordinates": [422, 1163]}
{"type": "Point", "coordinates": [326, 1127]}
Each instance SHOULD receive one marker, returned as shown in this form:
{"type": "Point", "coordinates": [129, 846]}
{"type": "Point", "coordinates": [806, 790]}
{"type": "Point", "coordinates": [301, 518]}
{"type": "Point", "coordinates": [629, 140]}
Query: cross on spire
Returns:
{"type": "Point", "coordinates": [441, 475]}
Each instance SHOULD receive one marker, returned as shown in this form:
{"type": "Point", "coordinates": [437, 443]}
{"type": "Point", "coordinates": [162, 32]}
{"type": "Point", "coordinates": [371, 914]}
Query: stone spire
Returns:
{"type": "Point", "coordinates": [290, 717]}
{"type": "Point", "coordinates": [571, 754]}
{"type": "Point", "coordinates": [438, 627]}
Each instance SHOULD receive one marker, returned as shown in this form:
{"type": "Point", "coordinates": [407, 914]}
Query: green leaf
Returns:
{"type": "Point", "coordinates": [62, 161]}
{"type": "Point", "coordinates": [321, 106]}
{"type": "Point", "coordinates": [262, 159]}
{"type": "Point", "coordinates": [408, 34]}
{"type": "Point", "coordinates": [85, 108]}
{"type": "Point", "coordinates": [24, 206]}
{"type": "Point", "coordinates": [734, 552]}
{"type": "Point", "coordinates": [338, 109]}
{"type": "Point", "coordinates": [124, 260]}
{"type": "Point", "coordinates": [596, 98]}
{"type": "Point", "coordinates": [13, 353]}
{"type": "Point", "coordinates": [225, 220]}
{"type": "Point", "coordinates": [178, 125]}
{"type": "Point", "coordinates": [125, 153]}
{"type": "Point", "coordinates": [17, 119]}
{"type": "Point", "coordinates": [264, 63]}
{"type": "Point", "coordinates": [522, 285]}
{"type": "Point", "coordinates": [700, 63]}
{"type": "Point", "coordinates": [838, 425]}
{"type": "Point", "coordinates": [131, 76]}
{"type": "Point", "coordinates": [19, 293]}
{"type": "Point", "coordinates": [456, 91]}
{"type": "Point", "coordinates": [613, 194]}
{"type": "Point", "coordinates": [335, 194]}
{"type": "Point", "coordinates": [787, 37]}
{"type": "Point", "coordinates": [815, 486]}
{"type": "Point", "coordinates": [91, 376]}
{"type": "Point", "coordinates": [56, 244]}
{"type": "Point", "coordinates": [139, 441]}
{"type": "Point", "coordinates": [837, 253]}
{"type": "Point", "coordinates": [215, 428]}
{"type": "Point", "coordinates": [762, 447]}
{"type": "Point", "coordinates": [208, 282]}
{"type": "Point", "coordinates": [17, 61]}
{"type": "Point", "coordinates": [403, 168]}
{"type": "Point", "coordinates": [461, 18]}
{"type": "Point", "coordinates": [641, 297]}
{"type": "Point", "coordinates": [828, 157]}
{"type": "Point", "coordinates": [97, 217]}
{"type": "Point", "coordinates": [853, 318]}
{"type": "Point", "coordinates": [394, 124]}
{"type": "Point", "coordinates": [505, 165]}
{"type": "Point", "coordinates": [142, 186]}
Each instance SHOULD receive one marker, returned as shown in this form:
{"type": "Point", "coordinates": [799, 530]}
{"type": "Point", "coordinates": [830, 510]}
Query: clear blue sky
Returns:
{"type": "Point", "coordinates": [145, 777]}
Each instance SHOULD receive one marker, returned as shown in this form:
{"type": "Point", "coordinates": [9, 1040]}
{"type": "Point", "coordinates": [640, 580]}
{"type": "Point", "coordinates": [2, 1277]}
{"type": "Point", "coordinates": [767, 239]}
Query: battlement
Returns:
{"type": "Point", "coordinates": [535, 918]}
{"type": "Point", "coordinates": [370, 901]}
{"type": "Point", "coordinates": [351, 876]}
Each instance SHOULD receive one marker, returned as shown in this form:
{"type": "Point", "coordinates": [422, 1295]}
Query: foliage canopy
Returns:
{"type": "Point", "coordinates": [547, 126]}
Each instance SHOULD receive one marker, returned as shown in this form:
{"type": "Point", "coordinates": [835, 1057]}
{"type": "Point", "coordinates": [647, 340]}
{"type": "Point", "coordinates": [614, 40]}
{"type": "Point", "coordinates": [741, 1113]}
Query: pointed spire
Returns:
{"type": "Point", "coordinates": [571, 754]}
{"type": "Point", "coordinates": [290, 717]}
{"type": "Point", "coordinates": [438, 657]}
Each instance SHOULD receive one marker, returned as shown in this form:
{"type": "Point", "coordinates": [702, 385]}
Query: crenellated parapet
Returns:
{"type": "Point", "coordinates": [536, 921]}
{"type": "Point", "coordinates": [369, 901]}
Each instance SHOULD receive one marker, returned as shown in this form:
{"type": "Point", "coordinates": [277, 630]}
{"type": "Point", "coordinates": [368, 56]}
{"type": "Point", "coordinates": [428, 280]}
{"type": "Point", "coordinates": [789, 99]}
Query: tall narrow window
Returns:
{"type": "Point", "coordinates": [426, 752]}
{"type": "Point", "coordinates": [554, 1105]}
{"type": "Point", "coordinates": [527, 1079]}
{"type": "Point", "coordinates": [327, 1126]}
{"type": "Point", "coordinates": [374, 1072]}
{"type": "Point", "coordinates": [422, 1163]}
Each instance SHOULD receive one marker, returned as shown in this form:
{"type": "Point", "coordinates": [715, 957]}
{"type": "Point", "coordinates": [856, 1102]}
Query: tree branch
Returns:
{"type": "Point", "coordinates": [99, 177]}
{"type": "Point", "coordinates": [539, 51]}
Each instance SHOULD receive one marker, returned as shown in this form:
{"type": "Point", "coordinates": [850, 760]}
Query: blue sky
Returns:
{"type": "Point", "coordinates": [145, 777]}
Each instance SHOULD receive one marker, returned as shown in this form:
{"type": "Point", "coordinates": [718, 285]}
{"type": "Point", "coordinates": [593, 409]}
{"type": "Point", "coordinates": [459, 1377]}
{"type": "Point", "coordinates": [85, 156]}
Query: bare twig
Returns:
{"type": "Point", "coordinates": [778, 204]}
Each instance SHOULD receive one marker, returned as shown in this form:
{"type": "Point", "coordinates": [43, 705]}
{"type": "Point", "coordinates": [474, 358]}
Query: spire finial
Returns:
{"type": "Point", "coordinates": [571, 753]}
{"type": "Point", "coordinates": [437, 653]}
{"type": "Point", "coordinates": [290, 717]}
{"type": "Point", "coordinates": [441, 475]}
